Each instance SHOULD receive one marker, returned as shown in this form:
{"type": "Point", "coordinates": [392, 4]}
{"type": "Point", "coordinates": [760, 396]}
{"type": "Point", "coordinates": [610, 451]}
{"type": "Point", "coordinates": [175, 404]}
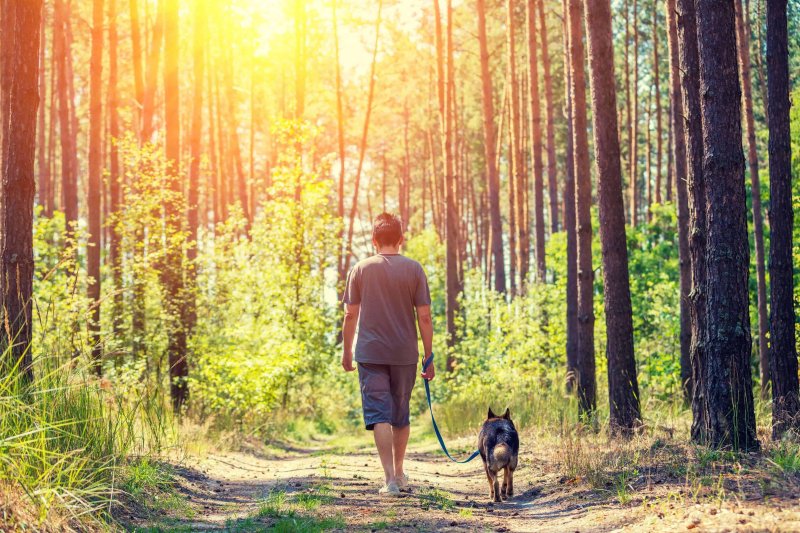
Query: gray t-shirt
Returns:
{"type": "Point", "coordinates": [388, 287]}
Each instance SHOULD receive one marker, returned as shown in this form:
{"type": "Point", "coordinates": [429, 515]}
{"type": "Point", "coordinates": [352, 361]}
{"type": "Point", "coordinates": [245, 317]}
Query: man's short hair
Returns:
{"type": "Point", "coordinates": [387, 230]}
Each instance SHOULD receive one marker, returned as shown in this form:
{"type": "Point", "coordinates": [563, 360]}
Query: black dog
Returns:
{"type": "Point", "coordinates": [498, 443]}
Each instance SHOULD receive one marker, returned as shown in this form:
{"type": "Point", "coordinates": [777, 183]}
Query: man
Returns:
{"type": "Point", "coordinates": [382, 294]}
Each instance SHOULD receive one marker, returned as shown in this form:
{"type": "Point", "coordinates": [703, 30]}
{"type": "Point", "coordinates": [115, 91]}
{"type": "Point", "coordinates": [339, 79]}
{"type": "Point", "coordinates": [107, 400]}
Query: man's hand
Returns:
{"type": "Point", "coordinates": [347, 361]}
{"type": "Point", "coordinates": [430, 372]}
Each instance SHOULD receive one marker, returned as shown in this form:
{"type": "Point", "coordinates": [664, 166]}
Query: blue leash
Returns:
{"type": "Point", "coordinates": [435, 426]}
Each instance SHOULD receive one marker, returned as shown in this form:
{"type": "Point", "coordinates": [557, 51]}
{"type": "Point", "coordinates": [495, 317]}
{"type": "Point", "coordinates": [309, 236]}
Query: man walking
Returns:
{"type": "Point", "coordinates": [382, 294]}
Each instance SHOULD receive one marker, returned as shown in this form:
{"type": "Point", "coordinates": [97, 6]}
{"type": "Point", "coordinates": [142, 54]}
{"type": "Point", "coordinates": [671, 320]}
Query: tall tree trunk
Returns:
{"type": "Point", "coordinates": [452, 246]}
{"type": "Point", "coordinates": [173, 268]}
{"type": "Point", "coordinates": [115, 189]}
{"type": "Point", "coordinates": [552, 186]}
{"type": "Point", "coordinates": [535, 117]}
{"type": "Point", "coordinates": [342, 273]}
{"type": "Point", "coordinates": [727, 380]}
{"type": "Point", "coordinates": [583, 199]}
{"type": "Point", "coordinates": [785, 402]}
{"type": "Point", "coordinates": [569, 216]}
{"type": "Point", "coordinates": [623, 388]}
{"type": "Point", "coordinates": [41, 143]}
{"type": "Point", "coordinates": [19, 99]}
{"type": "Point", "coordinates": [196, 147]}
{"type": "Point", "coordinates": [657, 96]}
{"type": "Point", "coordinates": [512, 218]}
{"type": "Point", "coordinates": [136, 58]}
{"type": "Point", "coordinates": [628, 117]}
{"type": "Point", "coordinates": [489, 144]}
{"type": "Point", "coordinates": [690, 85]}
{"type": "Point", "coordinates": [69, 167]}
{"type": "Point", "coordinates": [95, 185]}
{"type": "Point", "coordinates": [516, 177]}
{"type": "Point", "coordinates": [743, 47]}
{"type": "Point", "coordinates": [633, 153]}
{"type": "Point", "coordinates": [648, 152]}
{"type": "Point", "coordinates": [679, 150]}
{"type": "Point", "coordinates": [153, 60]}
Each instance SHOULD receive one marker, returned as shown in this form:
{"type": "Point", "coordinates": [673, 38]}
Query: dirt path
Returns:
{"type": "Point", "coordinates": [331, 487]}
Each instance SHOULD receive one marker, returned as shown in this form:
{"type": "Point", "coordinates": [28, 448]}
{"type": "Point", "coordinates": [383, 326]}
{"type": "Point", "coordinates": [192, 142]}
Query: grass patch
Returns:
{"type": "Point", "coordinates": [436, 498]}
{"type": "Point", "coordinates": [786, 456]}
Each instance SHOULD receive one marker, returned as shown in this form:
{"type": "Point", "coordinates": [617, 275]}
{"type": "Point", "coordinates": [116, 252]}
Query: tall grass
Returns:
{"type": "Point", "coordinates": [64, 440]}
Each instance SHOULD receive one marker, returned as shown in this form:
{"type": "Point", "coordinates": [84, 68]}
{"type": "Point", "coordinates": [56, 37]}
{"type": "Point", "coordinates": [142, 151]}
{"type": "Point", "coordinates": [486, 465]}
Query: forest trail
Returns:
{"type": "Point", "coordinates": [329, 487]}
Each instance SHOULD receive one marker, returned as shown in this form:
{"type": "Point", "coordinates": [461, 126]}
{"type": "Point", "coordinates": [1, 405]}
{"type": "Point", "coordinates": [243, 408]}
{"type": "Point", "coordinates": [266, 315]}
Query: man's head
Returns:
{"type": "Point", "coordinates": [387, 231]}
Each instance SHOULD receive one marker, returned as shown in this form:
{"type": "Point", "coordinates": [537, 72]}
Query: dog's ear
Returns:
{"type": "Point", "coordinates": [507, 414]}
{"type": "Point", "coordinates": [491, 414]}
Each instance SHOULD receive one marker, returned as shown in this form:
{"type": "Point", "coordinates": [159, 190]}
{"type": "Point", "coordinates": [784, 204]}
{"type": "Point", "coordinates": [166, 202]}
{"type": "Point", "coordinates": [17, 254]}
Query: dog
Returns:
{"type": "Point", "coordinates": [498, 443]}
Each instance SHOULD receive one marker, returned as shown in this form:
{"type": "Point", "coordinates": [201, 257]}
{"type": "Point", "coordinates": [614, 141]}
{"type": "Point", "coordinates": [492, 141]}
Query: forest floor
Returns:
{"type": "Point", "coordinates": [332, 485]}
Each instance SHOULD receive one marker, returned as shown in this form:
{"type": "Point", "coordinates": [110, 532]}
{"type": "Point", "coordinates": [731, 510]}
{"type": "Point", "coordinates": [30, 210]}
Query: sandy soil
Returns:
{"type": "Point", "coordinates": [227, 492]}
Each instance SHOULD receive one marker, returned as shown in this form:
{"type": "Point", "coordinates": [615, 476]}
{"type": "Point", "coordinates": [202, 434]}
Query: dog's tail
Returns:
{"type": "Point", "coordinates": [501, 455]}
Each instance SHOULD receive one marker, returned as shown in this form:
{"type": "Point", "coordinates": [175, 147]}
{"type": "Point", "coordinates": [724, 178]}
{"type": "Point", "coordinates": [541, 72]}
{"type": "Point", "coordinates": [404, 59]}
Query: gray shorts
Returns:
{"type": "Point", "coordinates": [385, 393]}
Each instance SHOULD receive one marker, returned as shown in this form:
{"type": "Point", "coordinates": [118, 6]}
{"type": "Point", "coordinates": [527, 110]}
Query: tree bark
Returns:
{"type": "Point", "coordinates": [550, 131]}
{"type": "Point", "coordinates": [41, 143]}
{"type": "Point", "coordinates": [115, 189]}
{"type": "Point", "coordinates": [490, 154]}
{"type": "Point", "coordinates": [69, 164]}
{"type": "Point", "coordinates": [173, 268]}
{"type": "Point", "coordinates": [535, 117]}
{"type": "Point", "coordinates": [657, 96]}
{"type": "Point", "coordinates": [95, 184]}
{"type": "Point", "coordinates": [569, 217]}
{"type": "Point", "coordinates": [585, 356]}
{"type": "Point", "coordinates": [452, 246]}
{"type": "Point", "coordinates": [727, 382]}
{"type": "Point", "coordinates": [623, 388]}
{"type": "Point", "coordinates": [743, 47]}
{"type": "Point", "coordinates": [149, 90]}
{"type": "Point", "coordinates": [19, 99]}
{"type": "Point", "coordinates": [633, 152]}
{"type": "Point", "coordinates": [516, 176]}
{"type": "Point", "coordinates": [785, 402]}
{"type": "Point", "coordinates": [690, 85]}
{"type": "Point", "coordinates": [136, 58]}
{"type": "Point", "coordinates": [679, 151]}
{"type": "Point", "coordinates": [196, 147]}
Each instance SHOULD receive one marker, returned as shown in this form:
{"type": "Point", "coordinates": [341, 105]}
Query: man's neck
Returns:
{"type": "Point", "coordinates": [389, 250]}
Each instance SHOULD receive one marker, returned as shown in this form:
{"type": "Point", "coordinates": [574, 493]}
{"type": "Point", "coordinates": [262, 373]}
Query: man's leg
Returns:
{"type": "Point", "coordinates": [383, 441]}
{"type": "Point", "coordinates": [402, 383]}
{"type": "Point", "coordinates": [400, 441]}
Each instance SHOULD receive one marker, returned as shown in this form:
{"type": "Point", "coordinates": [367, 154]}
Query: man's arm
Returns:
{"type": "Point", "coordinates": [425, 322]}
{"type": "Point", "coordinates": [351, 312]}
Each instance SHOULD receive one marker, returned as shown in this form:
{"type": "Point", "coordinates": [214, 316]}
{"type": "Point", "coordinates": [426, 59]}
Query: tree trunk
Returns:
{"type": "Point", "coordinates": [623, 388]}
{"type": "Point", "coordinates": [490, 154]}
{"type": "Point", "coordinates": [19, 99]}
{"type": "Point", "coordinates": [516, 176]}
{"type": "Point", "coordinates": [69, 166]}
{"type": "Point", "coordinates": [743, 47]}
{"type": "Point", "coordinates": [453, 280]}
{"type": "Point", "coordinates": [342, 273]}
{"type": "Point", "coordinates": [585, 358]}
{"type": "Point", "coordinates": [136, 58]}
{"type": "Point", "coordinates": [300, 58]}
{"type": "Point", "coordinates": [631, 209]}
{"type": "Point", "coordinates": [196, 147]}
{"type": "Point", "coordinates": [727, 381]}
{"type": "Point", "coordinates": [173, 268]}
{"type": "Point", "coordinates": [115, 189]}
{"type": "Point", "coordinates": [679, 151]}
{"type": "Point", "coordinates": [550, 132]}
{"type": "Point", "coordinates": [785, 402]}
{"type": "Point", "coordinates": [690, 85]}
{"type": "Point", "coordinates": [95, 184]}
{"type": "Point", "coordinates": [657, 96]}
{"type": "Point", "coordinates": [569, 218]}
{"type": "Point", "coordinates": [153, 59]}
{"type": "Point", "coordinates": [535, 117]}
{"type": "Point", "coordinates": [633, 153]}
{"type": "Point", "coordinates": [41, 143]}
